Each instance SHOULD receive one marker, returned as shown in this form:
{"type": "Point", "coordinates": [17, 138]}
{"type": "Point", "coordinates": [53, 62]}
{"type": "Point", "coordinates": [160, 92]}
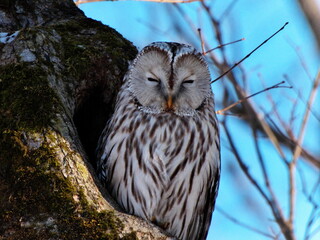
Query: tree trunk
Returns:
{"type": "Point", "coordinates": [59, 75]}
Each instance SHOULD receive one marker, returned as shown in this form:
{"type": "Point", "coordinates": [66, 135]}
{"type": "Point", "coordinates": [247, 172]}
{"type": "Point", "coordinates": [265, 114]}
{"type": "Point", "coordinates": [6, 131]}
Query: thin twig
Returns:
{"type": "Point", "coordinates": [315, 231]}
{"type": "Point", "coordinates": [300, 96]}
{"type": "Point", "coordinates": [216, 27]}
{"type": "Point", "coordinates": [236, 221]}
{"type": "Point", "coordinates": [237, 63]}
{"type": "Point", "coordinates": [228, 10]}
{"type": "Point", "coordinates": [272, 202]}
{"type": "Point", "coordinates": [242, 165]}
{"type": "Point", "coordinates": [187, 19]}
{"type": "Point", "coordinates": [312, 96]}
{"type": "Point", "coordinates": [261, 159]}
{"type": "Point", "coordinates": [276, 112]}
{"type": "Point", "coordinates": [244, 99]}
{"type": "Point", "coordinates": [298, 149]}
{"type": "Point", "coordinates": [301, 58]}
{"type": "Point", "coordinates": [201, 41]}
{"type": "Point", "coordinates": [223, 45]}
{"type": "Point", "coordinates": [264, 170]}
{"type": "Point", "coordinates": [310, 196]}
{"type": "Point", "coordinates": [312, 218]}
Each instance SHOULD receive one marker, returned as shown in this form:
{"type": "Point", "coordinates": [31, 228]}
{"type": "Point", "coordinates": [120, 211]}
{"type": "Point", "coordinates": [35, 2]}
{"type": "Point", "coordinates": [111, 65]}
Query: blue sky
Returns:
{"type": "Point", "coordinates": [255, 20]}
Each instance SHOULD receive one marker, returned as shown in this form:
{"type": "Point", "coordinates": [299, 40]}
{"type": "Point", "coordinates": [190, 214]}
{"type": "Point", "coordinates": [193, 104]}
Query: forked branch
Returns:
{"type": "Point", "coordinates": [246, 98]}
{"type": "Point", "coordinates": [260, 45]}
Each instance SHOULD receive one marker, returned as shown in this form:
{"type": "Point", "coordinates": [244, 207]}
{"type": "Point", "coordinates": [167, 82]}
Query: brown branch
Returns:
{"type": "Point", "coordinates": [311, 196]}
{"type": "Point", "coordinates": [314, 214]}
{"type": "Point", "coordinates": [242, 165]}
{"type": "Point", "coordinates": [312, 219]}
{"type": "Point", "coordinates": [261, 159]}
{"type": "Point", "coordinates": [215, 60]}
{"type": "Point", "coordinates": [215, 26]}
{"type": "Point", "coordinates": [298, 149]}
{"type": "Point", "coordinates": [273, 204]}
{"type": "Point", "coordinates": [292, 192]}
{"type": "Point", "coordinates": [78, 2]}
{"type": "Point", "coordinates": [287, 127]}
{"type": "Point", "coordinates": [267, 183]}
{"type": "Point", "coordinates": [259, 122]}
{"type": "Point", "coordinates": [201, 41]}
{"type": "Point", "coordinates": [222, 45]}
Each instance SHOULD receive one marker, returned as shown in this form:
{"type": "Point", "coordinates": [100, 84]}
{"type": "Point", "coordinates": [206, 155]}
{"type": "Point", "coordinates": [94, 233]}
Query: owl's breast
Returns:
{"type": "Point", "coordinates": [175, 143]}
{"type": "Point", "coordinates": [160, 152]}
{"type": "Point", "coordinates": [157, 165]}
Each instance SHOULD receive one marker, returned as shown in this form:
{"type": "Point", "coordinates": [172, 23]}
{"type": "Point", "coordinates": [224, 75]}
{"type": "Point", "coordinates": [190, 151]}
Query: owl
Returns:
{"type": "Point", "coordinates": [159, 155]}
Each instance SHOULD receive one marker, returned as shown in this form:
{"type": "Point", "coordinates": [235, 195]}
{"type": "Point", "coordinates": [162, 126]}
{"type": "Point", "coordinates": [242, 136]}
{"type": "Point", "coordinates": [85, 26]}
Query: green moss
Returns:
{"type": "Point", "coordinates": [98, 56]}
{"type": "Point", "coordinates": [86, 40]}
{"type": "Point", "coordinates": [130, 236]}
{"type": "Point", "coordinates": [34, 190]}
{"type": "Point", "coordinates": [26, 101]}
{"type": "Point", "coordinates": [32, 187]}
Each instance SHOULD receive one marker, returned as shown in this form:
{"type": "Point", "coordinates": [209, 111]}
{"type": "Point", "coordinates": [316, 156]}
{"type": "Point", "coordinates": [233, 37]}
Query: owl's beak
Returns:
{"type": "Point", "coordinates": [169, 102]}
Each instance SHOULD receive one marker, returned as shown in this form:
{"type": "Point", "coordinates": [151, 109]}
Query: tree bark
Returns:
{"type": "Point", "coordinates": [59, 75]}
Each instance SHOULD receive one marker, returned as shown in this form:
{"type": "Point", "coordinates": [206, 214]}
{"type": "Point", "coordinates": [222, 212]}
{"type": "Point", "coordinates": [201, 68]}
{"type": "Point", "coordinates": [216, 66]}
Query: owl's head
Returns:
{"type": "Point", "coordinates": [169, 77]}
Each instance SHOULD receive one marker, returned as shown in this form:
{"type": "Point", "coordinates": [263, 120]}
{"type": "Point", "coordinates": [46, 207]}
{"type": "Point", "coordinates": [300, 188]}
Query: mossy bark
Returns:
{"type": "Point", "coordinates": [59, 75]}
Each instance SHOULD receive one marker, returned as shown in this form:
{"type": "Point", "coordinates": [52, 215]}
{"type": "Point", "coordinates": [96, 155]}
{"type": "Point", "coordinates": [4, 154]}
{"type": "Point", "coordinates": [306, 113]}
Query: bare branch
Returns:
{"type": "Point", "coordinates": [261, 160]}
{"type": "Point", "coordinates": [201, 41]}
{"type": "Point", "coordinates": [242, 165]}
{"type": "Point", "coordinates": [246, 98]}
{"type": "Point", "coordinates": [314, 215]}
{"type": "Point", "coordinates": [236, 221]}
{"type": "Point", "coordinates": [78, 2]}
{"type": "Point", "coordinates": [223, 45]}
{"type": "Point", "coordinates": [237, 63]}
{"type": "Point", "coordinates": [228, 10]}
{"type": "Point", "coordinates": [272, 202]}
{"type": "Point", "coordinates": [286, 77]}
{"type": "Point", "coordinates": [292, 192]}
{"type": "Point", "coordinates": [303, 63]}
{"type": "Point", "coordinates": [312, 96]}
{"type": "Point", "coordinates": [298, 149]}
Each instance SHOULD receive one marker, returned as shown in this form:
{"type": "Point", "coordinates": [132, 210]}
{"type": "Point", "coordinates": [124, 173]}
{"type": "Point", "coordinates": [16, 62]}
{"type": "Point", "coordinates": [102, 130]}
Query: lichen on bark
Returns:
{"type": "Point", "coordinates": [59, 75]}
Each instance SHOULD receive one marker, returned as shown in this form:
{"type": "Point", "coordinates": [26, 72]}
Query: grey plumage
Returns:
{"type": "Point", "coordinates": [159, 155]}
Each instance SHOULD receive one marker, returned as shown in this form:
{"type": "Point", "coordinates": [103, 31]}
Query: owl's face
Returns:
{"type": "Point", "coordinates": [169, 77]}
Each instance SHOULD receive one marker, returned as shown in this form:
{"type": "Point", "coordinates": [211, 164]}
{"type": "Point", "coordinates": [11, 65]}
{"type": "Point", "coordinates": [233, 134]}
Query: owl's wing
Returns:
{"type": "Point", "coordinates": [209, 205]}
{"type": "Point", "coordinates": [102, 152]}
